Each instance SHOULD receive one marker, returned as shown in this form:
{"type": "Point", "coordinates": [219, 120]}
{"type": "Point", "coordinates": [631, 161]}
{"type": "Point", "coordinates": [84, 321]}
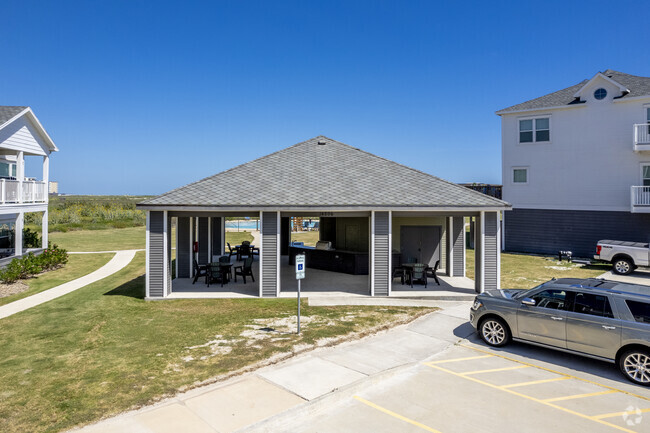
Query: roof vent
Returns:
{"type": "Point", "coordinates": [321, 143]}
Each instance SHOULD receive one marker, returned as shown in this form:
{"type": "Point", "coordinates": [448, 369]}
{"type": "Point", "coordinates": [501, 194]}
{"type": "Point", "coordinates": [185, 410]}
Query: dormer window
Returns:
{"type": "Point", "coordinates": [534, 130]}
{"type": "Point", "coordinates": [600, 94]}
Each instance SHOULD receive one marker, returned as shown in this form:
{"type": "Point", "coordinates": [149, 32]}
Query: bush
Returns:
{"type": "Point", "coordinates": [31, 239]}
{"type": "Point", "coordinates": [21, 268]}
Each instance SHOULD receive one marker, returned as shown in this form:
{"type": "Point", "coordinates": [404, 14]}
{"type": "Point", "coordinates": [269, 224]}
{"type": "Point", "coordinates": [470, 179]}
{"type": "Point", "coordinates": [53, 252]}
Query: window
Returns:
{"type": "Point", "coordinates": [534, 130]}
{"type": "Point", "coordinates": [645, 174]}
{"type": "Point", "coordinates": [553, 299]}
{"type": "Point", "coordinates": [7, 169]}
{"type": "Point", "coordinates": [594, 305]}
{"type": "Point", "coordinates": [640, 310]}
{"type": "Point", "coordinates": [520, 175]}
{"type": "Point", "coordinates": [600, 94]}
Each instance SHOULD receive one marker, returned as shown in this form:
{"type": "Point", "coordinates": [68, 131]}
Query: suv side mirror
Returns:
{"type": "Point", "coordinates": [528, 301]}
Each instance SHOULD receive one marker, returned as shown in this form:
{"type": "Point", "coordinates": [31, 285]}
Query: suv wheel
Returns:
{"type": "Point", "coordinates": [494, 332]}
{"type": "Point", "coordinates": [635, 365]}
{"type": "Point", "coordinates": [622, 266]}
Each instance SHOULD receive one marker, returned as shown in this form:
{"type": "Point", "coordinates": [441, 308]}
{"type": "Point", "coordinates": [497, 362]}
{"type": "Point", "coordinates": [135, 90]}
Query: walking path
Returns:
{"type": "Point", "coordinates": [258, 400]}
{"type": "Point", "coordinates": [119, 261]}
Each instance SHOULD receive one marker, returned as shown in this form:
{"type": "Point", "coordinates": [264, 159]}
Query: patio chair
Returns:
{"type": "Point", "coordinates": [431, 272]}
{"type": "Point", "coordinates": [225, 260]}
{"type": "Point", "coordinates": [245, 270]}
{"type": "Point", "coordinates": [418, 273]}
{"type": "Point", "coordinates": [244, 250]}
{"type": "Point", "coordinates": [214, 274]}
{"type": "Point", "coordinates": [399, 271]}
{"type": "Point", "coordinates": [232, 251]}
{"type": "Point", "coordinates": [199, 271]}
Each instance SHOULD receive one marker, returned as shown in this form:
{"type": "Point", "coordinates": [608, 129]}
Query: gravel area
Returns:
{"type": "Point", "coordinates": [12, 289]}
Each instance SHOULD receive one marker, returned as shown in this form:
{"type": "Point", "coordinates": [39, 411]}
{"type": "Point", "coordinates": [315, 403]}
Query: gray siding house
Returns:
{"type": "Point", "coordinates": [371, 209]}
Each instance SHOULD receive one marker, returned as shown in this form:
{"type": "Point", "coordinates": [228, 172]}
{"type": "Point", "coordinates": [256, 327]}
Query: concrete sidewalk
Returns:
{"type": "Point", "coordinates": [119, 261]}
{"type": "Point", "coordinates": [251, 400]}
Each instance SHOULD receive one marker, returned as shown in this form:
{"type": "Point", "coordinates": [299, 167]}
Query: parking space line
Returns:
{"type": "Point", "coordinates": [613, 414]}
{"type": "Point", "coordinates": [556, 372]}
{"type": "Point", "coordinates": [395, 415]}
{"type": "Point", "coordinates": [468, 358]}
{"type": "Point", "coordinates": [528, 397]}
{"type": "Point", "coordinates": [571, 397]}
{"type": "Point", "coordinates": [535, 382]}
{"type": "Point", "coordinates": [491, 370]}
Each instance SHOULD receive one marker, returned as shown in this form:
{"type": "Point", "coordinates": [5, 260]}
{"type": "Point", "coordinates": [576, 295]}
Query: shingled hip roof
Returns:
{"type": "Point", "coordinates": [323, 173]}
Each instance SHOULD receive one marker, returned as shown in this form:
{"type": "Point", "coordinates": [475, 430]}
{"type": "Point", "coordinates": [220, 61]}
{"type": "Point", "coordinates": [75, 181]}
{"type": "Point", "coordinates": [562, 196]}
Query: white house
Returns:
{"type": "Point", "coordinates": [22, 136]}
{"type": "Point", "coordinates": [576, 166]}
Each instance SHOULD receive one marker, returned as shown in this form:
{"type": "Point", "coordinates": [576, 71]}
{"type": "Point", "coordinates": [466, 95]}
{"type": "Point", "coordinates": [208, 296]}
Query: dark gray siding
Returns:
{"type": "Point", "coordinates": [168, 262]}
{"type": "Point", "coordinates": [478, 270]}
{"type": "Point", "coordinates": [183, 251]}
{"type": "Point", "coordinates": [217, 242]}
{"type": "Point", "coordinates": [204, 241]}
{"type": "Point", "coordinates": [548, 231]}
{"type": "Point", "coordinates": [156, 254]}
{"type": "Point", "coordinates": [382, 253]}
{"type": "Point", "coordinates": [269, 265]}
{"type": "Point", "coordinates": [458, 238]}
{"type": "Point", "coordinates": [491, 251]}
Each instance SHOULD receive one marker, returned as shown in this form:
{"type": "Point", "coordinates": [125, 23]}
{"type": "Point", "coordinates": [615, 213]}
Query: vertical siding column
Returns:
{"type": "Point", "coordinates": [168, 253]}
{"type": "Point", "coordinates": [155, 280]}
{"type": "Point", "coordinates": [217, 240]}
{"type": "Point", "coordinates": [269, 254]}
{"type": "Point", "coordinates": [18, 234]}
{"type": "Point", "coordinates": [381, 252]}
{"type": "Point", "coordinates": [457, 237]}
{"type": "Point", "coordinates": [183, 247]}
{"type": "Point", "coordinates": [204, 240]}
{"type": "Point", "coordinates": [491, 251]}
{"type": "Point", "coordinates": [478, 253]}
{"type": "Point", "coordinates": [192, 256]}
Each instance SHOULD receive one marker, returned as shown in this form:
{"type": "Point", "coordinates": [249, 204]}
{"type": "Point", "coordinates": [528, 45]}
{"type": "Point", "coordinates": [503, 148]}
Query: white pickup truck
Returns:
{"type": "Point", "coordinates": [624, 256]}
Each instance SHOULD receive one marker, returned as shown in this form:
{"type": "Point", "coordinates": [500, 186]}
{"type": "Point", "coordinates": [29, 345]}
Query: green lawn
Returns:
{"type": "Point", "coordinates": [525, 271]}
{"type": "Point", "coordinates": [309, 238]}
{"type": "Point", "coordinates": [78, 265]}
{"type": "Point", "coordinates": [236, 238]}
{"type": "Point", "coordinates": [102, 349]}
{"type": "Point", "coordinates": [100, 240]}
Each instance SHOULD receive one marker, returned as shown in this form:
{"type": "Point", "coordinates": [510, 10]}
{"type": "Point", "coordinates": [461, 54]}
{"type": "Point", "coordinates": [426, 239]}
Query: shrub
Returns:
{"type": "Point", "coordinates": [31, 264]}
{"type": "Point", "coordinates": [31, 239]}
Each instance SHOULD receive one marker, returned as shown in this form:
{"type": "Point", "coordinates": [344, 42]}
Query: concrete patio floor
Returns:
{"type": "Point", "coordinates": [319, 284]}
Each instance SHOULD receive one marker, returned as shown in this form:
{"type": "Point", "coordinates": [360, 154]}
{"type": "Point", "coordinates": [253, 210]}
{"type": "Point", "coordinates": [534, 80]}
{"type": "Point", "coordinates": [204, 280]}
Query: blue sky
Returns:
{"type": "Point", "coordinates": [142, 97]}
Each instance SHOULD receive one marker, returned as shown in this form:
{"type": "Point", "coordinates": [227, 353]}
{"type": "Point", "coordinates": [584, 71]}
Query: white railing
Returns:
{"type": "Point", "coordinates": [14, 191]}
{"type": "Point", "coordinates": [640, 198]}
{"type": "Point", "coordinates": [642, 135]}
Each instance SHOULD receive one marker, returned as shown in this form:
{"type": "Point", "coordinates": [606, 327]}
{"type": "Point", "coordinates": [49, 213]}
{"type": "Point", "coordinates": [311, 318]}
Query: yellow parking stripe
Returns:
{"type": "Point", "coordinates": [444, 361]}
{"type": "Point", "coordinates": [612, 415]}
{"type": "Point", "coordinates": [535, 382]}
{"type": "Point", "coordinates": [571, 397]}
{"type": "Point", "coordinates": [581, 415]}
{"type": "Point", "coordinates": [396, 415]}
{"type": "Point", "coordinates": [515, 367]}
{"type": "Point", "coordinates": [556, 372]}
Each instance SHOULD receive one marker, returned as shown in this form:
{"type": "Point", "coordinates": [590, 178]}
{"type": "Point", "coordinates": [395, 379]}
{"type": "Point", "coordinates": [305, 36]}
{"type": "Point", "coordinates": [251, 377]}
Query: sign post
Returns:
{"type": "Point", "coordinates": [300, 274]}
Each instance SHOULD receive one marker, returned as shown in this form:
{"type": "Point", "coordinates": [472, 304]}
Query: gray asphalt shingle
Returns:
{"type": "Point", "coordinates": [7, 112]}
{"type": "Point", "coordinates": [638, 86]}
{"type": "Point", "coordinates": [332, 174]}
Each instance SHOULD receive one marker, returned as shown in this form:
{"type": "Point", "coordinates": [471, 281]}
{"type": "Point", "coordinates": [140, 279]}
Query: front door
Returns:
{"type": "Point", "coordinates": [546, 321]}
{"type": "Point", "coordinates": [420, 244]}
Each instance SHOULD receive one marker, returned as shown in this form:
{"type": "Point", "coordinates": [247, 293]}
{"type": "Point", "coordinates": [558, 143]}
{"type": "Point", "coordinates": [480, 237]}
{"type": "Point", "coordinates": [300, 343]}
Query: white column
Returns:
{"type": "Point", "coordinates": [166, 258]}
{"type": "Point", "coordinates": [498, 251]}
{"type": "Point", "coordinates": [46, 177]}
{"type": "Point", "coordinates": [278, 242]}
{"type": "Point", "coordinates": [20, 174]}
{"type": "Point", "coordinates": [147, 252]}
{"type": "Point", "coordinates": [209, 239]}
{"type": "Point", "coordinates": [390, 252]}
{"type": "Point", "coordinates": [223, 235]}
{"type": "Point", "coordinates": [482, 261]}
{"type": "Point", "coordinates": [44, 229]}
{"type": "Point", "coordinates": [372, 253]}
{"type": "Point", "coordinates": [18, 229]}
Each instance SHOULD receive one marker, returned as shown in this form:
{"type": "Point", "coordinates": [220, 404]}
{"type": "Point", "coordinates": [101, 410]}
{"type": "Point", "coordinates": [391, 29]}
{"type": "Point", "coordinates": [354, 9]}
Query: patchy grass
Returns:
{"type": "Point", "coordinates": [527, 271]}
{"type": "Point", "coordinates": [101, 240]}
{"type": "Point", "coordinates": [102, 349]}
{"type": "Point", "coordinates": [309, 238]}
{"type": "Point", "coordinates": [236, 238]}
{"type": "Point", "coordinates": [78, 265]}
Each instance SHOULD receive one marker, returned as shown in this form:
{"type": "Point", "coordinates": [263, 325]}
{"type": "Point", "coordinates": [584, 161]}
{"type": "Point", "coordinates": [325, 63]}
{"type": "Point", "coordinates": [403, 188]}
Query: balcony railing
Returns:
{"type": "Point", "coordinates": [12, 192]}
{"type": "Point", "coordinates": [641, 137]}
{"type": "Point", "coordinates": [640, 199]}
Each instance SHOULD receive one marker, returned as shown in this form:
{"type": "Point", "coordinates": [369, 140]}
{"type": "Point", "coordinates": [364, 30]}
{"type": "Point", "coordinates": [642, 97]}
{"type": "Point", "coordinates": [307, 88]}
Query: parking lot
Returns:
{"type": "Point", "coordinates": [471, 387]}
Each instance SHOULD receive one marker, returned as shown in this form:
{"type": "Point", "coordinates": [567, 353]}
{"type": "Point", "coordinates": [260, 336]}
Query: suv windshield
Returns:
{"type": "Point", "coordinates": [526, 293]}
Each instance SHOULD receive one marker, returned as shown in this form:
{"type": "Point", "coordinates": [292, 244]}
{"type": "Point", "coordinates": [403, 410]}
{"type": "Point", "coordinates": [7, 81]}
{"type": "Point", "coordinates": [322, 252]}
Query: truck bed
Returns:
{"type": "Point", "coordinates": [625, 243]}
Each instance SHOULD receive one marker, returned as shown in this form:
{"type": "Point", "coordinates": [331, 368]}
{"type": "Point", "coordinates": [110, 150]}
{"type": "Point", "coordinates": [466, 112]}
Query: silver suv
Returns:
{"type": "Point", "coordinates": [597, 318]}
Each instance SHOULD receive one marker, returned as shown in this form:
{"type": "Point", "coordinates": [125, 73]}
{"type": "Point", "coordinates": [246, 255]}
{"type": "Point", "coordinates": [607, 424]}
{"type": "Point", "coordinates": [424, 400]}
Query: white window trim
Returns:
{"type": "Point", "coordinates": [512, 175]}
{"type": "Point", "coordinates": [533, 118]}
{"type": "Point", "coordinates": [641, 165]}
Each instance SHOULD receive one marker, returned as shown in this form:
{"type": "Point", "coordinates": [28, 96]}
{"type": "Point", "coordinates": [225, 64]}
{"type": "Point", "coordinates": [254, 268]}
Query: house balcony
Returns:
{"type": "Point", "coordinates": [640, 199]}
{"type": "Point", "coordinates": [642, 137]}
{"type": "Point", "coordinates": [15, 192]}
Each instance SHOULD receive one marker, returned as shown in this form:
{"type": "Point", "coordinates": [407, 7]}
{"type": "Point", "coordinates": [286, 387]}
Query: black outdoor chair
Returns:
{"type": "Point", "coordinates": [215, 274]}
{"type": "Point", "coordinates": [431, 272]}
{"type": "Point", "coordinates": [399, 271]}
{"type": "Point", "coordinates": [418, 273]}
{"type": "Point", "coordinates": [225, 260]}
{"type": "Point", "coordinates": [244, 250]}
{"type": "Point", "coordinates": [245, 270]}
{"type": "Point", "coordinates": [199, 271]}
{"type": "Point", "coordinates": [232, 251]}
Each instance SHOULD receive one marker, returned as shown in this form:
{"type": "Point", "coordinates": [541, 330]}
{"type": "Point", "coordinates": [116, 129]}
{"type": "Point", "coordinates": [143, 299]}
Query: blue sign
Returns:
{"type": "Point", "coordinates": [300, 266]}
